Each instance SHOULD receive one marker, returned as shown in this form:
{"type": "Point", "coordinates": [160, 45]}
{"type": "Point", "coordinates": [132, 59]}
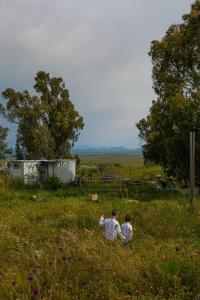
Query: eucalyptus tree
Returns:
{"type": "Point", "coordinates": [4, 148]}
{"type": "Point", "coordinates": [48, 124]}
{"type": "Point", "coordinates": [176, 82]}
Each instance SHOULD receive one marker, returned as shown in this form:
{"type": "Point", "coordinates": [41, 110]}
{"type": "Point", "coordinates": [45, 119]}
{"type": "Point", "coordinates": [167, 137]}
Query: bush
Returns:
{"type": "Point", "coordinates": [71, 191]}
{"type": "Point", "coordinates": [51, 183]}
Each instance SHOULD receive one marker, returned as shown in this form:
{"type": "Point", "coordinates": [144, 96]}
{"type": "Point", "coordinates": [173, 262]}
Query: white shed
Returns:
{"type": "Point", "coordinates": [31, 171]}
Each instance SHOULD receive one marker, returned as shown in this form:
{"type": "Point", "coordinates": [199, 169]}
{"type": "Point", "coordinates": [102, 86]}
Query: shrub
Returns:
{"type": "Point", "coordinates": [51, 183]}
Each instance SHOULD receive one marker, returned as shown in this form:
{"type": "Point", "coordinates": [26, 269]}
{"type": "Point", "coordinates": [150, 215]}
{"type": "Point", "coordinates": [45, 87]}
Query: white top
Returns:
{"type": "Point", "coordinates": [127, 229]}
{"type": "Point", "coordinates": [112, 228]}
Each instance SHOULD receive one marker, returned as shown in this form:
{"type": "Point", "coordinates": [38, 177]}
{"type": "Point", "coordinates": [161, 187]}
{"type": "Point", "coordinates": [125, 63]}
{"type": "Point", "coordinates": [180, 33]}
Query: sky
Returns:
{"type": "Point", "coordinates": [100, 49]}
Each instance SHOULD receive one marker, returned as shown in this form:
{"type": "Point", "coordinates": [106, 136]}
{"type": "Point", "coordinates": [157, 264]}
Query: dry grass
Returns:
{"type": "Point", "coordinates": [53, 248]}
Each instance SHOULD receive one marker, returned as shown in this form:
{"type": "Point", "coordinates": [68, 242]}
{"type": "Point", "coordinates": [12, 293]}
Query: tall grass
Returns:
{"type": "Point", "coordinates": [52, 248]}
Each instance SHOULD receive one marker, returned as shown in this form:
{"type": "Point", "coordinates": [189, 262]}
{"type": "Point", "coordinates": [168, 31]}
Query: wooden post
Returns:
{"type": "Point", "coordinates": [192, 169]}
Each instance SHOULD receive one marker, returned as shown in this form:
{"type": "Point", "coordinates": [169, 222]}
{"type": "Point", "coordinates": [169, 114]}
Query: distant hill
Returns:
{"type": "Point", "coordinates": [105, 150]}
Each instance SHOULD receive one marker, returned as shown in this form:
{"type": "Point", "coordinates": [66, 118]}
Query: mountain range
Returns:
{"type": "Point", "coordinates": [87, 150]}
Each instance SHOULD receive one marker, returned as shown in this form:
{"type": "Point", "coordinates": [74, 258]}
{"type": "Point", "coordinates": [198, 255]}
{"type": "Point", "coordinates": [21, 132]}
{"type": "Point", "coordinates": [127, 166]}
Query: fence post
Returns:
{"type": "Point", "coordinates": [192, 170]}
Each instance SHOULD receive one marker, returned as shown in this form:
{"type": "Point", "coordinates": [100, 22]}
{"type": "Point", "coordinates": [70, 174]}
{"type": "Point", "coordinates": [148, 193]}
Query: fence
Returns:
{"type": "Point", "coordinates": [123, 187]}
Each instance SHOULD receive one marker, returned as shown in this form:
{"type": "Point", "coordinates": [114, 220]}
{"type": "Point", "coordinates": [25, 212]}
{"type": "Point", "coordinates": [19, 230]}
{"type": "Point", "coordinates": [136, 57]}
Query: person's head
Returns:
{"type": "Point", "coordinates": [128, 218]}
{"type": "Point", "coordinates": [114, 213]}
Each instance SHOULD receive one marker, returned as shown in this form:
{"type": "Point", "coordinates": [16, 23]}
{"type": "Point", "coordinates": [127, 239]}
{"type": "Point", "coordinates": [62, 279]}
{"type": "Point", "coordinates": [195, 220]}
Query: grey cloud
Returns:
{"type": "Point", "coordinates": [100, 49]}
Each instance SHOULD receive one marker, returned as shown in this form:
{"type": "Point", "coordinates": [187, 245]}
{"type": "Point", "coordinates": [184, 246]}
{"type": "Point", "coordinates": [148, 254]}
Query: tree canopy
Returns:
{"type": "Point", "coordinates": [176, 82]}
{"type": "Point", "coordinates": [48, 124]}
{"type": "Point", "coordinates": [4, 148]}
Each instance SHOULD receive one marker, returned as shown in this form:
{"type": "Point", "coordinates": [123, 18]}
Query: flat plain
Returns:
{"type": "Point", "coordinates": [121, 159]}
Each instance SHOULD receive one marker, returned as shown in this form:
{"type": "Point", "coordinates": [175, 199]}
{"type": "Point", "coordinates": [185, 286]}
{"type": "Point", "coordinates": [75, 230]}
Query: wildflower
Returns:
{"type": "Point", "coordinates": [30, 278]}
{"type": "Point", "coordinates": [34, 197]}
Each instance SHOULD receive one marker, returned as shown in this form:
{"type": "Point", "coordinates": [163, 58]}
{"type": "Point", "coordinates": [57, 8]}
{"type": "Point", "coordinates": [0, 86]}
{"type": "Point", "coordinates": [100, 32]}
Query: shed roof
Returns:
{"type": "Point", "coordinates": [41, 160]}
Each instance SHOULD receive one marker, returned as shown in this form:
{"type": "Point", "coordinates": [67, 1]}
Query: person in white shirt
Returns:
{"type": "Point", "coordinates": [112, 227]}
{"type": "Point", "coordinates": [127, 229]}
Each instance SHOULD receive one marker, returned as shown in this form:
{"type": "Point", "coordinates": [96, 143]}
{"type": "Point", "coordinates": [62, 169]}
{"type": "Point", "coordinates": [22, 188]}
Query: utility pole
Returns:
{"type": "Point", "coordinates": [192, 169]}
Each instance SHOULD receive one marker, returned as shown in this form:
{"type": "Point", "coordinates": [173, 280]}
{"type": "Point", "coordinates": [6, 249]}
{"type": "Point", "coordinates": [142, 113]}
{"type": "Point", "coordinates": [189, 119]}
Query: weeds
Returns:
{"type": "Point", "coordinates": [52, 248]}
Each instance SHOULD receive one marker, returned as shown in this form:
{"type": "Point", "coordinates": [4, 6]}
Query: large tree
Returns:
{"type": "Point", "coordinates": [176, 82]}
{"type": "Point", "coordinates": [48, 124]}
{"type": "Point", "coordinates": [4, 148]}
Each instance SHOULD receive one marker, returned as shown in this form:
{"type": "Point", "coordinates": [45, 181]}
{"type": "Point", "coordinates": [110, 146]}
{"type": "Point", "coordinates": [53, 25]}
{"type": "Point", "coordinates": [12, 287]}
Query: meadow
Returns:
{"type": "Point", "coordinates": [122, 159]}
{"type": "Point", "coordinates": [51, 245]}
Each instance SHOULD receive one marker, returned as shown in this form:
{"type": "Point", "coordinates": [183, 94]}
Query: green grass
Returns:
{"type": "Point", "coordinates": [53, 248]}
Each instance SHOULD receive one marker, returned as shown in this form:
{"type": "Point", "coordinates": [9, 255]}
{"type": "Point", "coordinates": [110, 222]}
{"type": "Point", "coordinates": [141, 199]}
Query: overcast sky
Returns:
{"type": "Point", "coordinates": [99, 47]}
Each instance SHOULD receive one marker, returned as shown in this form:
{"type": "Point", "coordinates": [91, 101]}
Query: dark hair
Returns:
{"type": "Point", "coordinates": [128, 218]}
{"type": "Point", "coordinates": [114, 212]}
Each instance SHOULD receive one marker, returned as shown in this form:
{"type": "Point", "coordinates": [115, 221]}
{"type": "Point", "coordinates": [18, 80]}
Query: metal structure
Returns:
{"type": "Point", "coordinates": [192, 169]}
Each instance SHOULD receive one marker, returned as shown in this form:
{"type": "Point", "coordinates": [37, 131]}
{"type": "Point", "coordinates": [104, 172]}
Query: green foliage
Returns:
{"type": "Point", "coordinates": [51, 183]}
{"type": "Point", "coordinates": [48, 124]}
{"type": "Point", "coordinates": [18, 148]}
{"type": "Point", "coordinates": [86, 171]}
{"type": "Point", "coordinates": [4, 149]}
{"type": "Point", "coordinates": [78, 160]}
{"type": "Point", "coordinates": [176, 81]}
{"type": "Point", "coordinates": [71, 191]}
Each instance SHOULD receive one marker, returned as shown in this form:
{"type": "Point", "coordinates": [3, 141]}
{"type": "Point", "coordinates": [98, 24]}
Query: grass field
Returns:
{"type": "Point", "coordinates": [122, 159]}
{"type": "Point", "coordinates": [52, 248]}
{"type": "Point", "coordinates": [127, 166]}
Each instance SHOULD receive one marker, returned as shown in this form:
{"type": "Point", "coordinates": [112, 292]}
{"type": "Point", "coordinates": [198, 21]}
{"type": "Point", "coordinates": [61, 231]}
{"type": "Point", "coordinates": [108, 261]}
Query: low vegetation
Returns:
{"type": "Point", "coordinates": [51, 246]}
{"type": "Point", "coordinates": [120, 159]}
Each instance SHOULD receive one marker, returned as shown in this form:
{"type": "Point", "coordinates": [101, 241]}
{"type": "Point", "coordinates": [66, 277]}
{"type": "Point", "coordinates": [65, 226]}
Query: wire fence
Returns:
{"type": "Point", "coordinates": [125, 187]}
